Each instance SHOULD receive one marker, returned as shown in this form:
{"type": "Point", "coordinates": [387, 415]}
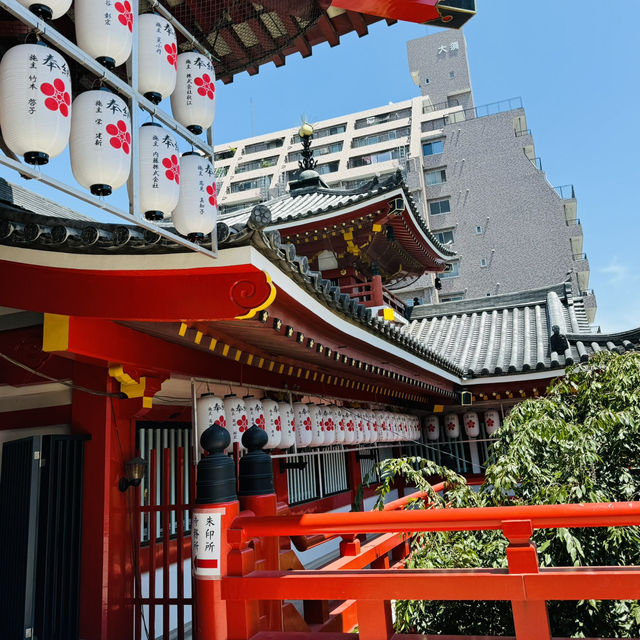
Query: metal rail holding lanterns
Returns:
{"type": "Point", "coordinates": [370, 591]}
{"type": "Point", "coordinates": [47, 32]}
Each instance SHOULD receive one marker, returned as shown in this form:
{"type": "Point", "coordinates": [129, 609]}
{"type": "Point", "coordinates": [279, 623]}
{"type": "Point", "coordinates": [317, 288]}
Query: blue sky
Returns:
{"type": "Point", "coordinates": [574, 63]}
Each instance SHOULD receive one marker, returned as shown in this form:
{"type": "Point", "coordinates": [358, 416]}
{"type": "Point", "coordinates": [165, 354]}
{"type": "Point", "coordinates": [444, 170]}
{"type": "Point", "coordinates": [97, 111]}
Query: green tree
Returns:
{"type": "Point", "coordinates": [579, 443]}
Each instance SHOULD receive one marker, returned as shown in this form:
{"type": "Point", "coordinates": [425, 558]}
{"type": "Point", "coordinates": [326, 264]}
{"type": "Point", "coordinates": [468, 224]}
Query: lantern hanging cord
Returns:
{"type": "Point", "coordinates": [94, 392]}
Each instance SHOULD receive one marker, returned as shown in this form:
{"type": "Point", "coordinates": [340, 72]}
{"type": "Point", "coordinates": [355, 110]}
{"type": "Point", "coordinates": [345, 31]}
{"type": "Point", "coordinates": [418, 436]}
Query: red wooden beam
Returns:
{"type": "Point", "coordinates": [604, 514]}
{"type": "Point", "coordinates": [576, 583]}
{"type": "Point", "coordinates": [161, 295]}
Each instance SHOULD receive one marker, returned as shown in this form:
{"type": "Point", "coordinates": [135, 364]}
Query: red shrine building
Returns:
{"type": "Point", "coordinates": [121, 343]}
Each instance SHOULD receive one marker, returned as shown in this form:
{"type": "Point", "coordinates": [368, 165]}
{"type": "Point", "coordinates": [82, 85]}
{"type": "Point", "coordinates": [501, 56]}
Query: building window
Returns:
{"type": "Point", "coordinates": [262, 163]}
{"type": "Point", "coordinates": [432, 148]}
{"type": "Point", "coordinates": [264, 146]}
{"type": "Point", "coordinates": [456, 297]}
{"type": "Point", "coordinates": [478, 230]}
{"type": "Point", "coordinates": [333, 147]}
{"type": "Point", "coordinates": [224, 155]}
{"type": "Point", "coordinates": [452, 270]}
{"type": "Point", "coordinates": [437, 176]}
{"type": "Point", "coordinates": [369, 121]}
{"type": "Point", "coordinates": [262, 182]}
{"type": "Point", "coordinates": [444, 237]}
{"type": "Point", "coordinates": [483, 262]}
{"type": "Point", "coordinates": [403, 132]}
{"type": "Point", "coordinates": [382, 156]}
{"type": "Point", "coordinates": [439, 206]}
{"type": "Point", "coordinates": [426, 80]}
{"type": "Point", "coordinates": [452, 75]}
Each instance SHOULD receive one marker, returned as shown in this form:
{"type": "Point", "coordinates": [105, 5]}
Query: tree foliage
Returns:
{"type": "Point", "coordinates": [579, 443]}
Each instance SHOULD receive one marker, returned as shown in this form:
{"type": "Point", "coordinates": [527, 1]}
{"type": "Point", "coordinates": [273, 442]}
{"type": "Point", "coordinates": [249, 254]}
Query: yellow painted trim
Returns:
{"type": "Point", "coordinates": [183, 329]}
{"type": "Point", "coordinates": [212, 344]}
{"type": "Point", "coordinates": [147, 402]}
{"type": "Point", "coordinates": [322, 377]}
{"type": "Point", "coordinates": [238, 355]}
{"type": "Point", "coordinates": [376, 227]}
{"type": "Point", "coordinates": [55, 333]}
{"type": "Point", "coordinates": [225, 350]}
{"type": "Point", "coordinates": [315, 376]}
{"type": "Point", "coordinates": [198, 338]}
{"type": "Point", "coordinates": [250, 359]}
{"type": "Point", "coordinates": [281, 369]}
{"type": "Point", "coordinates": [438, 408]}
{"type": "Point", "coordinates": [289, 370]}
{"type": "Point", "coordinates": [271, 365]}
{"type": "Point", "coordinates": [266, 303]}
{"type": "Point", "coordinates": [388, 314]}
{"type": "Point", "coordinates": [260, 363]}
{"type": "Point", "coordinates": [306, 375]}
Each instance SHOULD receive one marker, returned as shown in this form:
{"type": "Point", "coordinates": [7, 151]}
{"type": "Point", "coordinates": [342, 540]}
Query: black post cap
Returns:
{"type": "Point", "coordinates": [216, 479]}
{"type": "Point", "coordinates": [256, 472]}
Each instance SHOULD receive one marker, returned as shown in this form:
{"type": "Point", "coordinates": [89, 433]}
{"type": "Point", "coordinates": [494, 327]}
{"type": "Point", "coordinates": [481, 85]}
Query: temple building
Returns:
{"type": "Point", "coordinates": [278, 328]}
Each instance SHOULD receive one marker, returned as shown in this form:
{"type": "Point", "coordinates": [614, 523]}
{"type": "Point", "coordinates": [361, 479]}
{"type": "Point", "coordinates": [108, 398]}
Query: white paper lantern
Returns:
{"type": "Point", "coordinates": [255, 412]}
{"type": "Point", "coordinates": [373, 421]}
{"type": "Point", "coordinates": [104, 30]}
{"type": "Point", "coordinates": [316, 413]}
{"type": "Point", "coordinates": [196, 212]}
{"type": "Point", "coordinates": [100, 142]}
{"type": "Point", "coordinates": [237, 418]}
{"type": "Point", "coordinates": [304, 428]}
{"type": "Point", "coordinates": [209, 410]}
{"type": "Point", "coordinates": [287, 425]}
{"type": "Point", "coordinates": [349, 426]}
{"type": "Point", "coordinates": [330, 435]}
{"type": "Point", "coordinates": [273, 423]}
{"type": "Point", "coordinates": [358, 426]}
{"type": "Point", "coordinates": [471, 424]}
{"type": "Point", "coordinates": [432, 427]}
{"type": "Point", "coordinates": [339, 419]}
{"type": "Point", "coordinates": [368, 427]}
{"type": "Point", "coordinates": [193, 101]}
{"type": "Point", "coordinates": [159, 171]}
{"type": "Point", "coordinates": [491, 421]}
{"type": "Point", "coordinates": [452, 425]}
{"type": "Point", "coordinates": [157, 57]}
{"type": "Point", "coordinates": [49, 9]}
{"type": "Point", "coordinates": [35, 102]}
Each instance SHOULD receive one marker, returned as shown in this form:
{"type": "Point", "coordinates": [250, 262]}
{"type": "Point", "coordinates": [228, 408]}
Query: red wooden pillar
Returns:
{"type": "Point", "coordinates": [530, 617]}
{"type": "Point", "coordinates": [106, 610]}
{"type": "Point", "coordinates": [215, 509]}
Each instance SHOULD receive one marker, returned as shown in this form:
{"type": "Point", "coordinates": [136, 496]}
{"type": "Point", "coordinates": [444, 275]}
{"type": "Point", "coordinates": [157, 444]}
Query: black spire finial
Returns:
{"type": "Point", "coordinates": [256, 472]}
{"type": "Point", "coordinates": [306, 136]}
{"type": "Point", "coordinates": [216, 480]}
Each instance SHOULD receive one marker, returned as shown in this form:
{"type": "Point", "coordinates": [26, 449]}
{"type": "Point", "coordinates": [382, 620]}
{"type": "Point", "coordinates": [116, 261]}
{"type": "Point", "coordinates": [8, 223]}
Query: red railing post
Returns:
{"type": "Point", "coordinates": [242, 615]}
{"type": "Point", "coordinates": [374, 619]}
{"type": "Point", "coordinates": [530, 617]}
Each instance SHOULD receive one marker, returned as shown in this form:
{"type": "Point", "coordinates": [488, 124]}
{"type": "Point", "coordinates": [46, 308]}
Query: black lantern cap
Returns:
{"type": "Point", "coordinates": [256, 472]}
{"type": "Point", "coordinates": [216, 479]}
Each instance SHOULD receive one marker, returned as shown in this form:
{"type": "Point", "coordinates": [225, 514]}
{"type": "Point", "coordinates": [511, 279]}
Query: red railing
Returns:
{"type": "Point", "coordinates": [524, 583]}
{"type": "Point", "coordinates": [373, 294]}
{"type": "Point", "coordinates": [165, 592]}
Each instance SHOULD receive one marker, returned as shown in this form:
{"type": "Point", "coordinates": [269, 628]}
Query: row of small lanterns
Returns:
{"type": "Point", "coordinates": [470, 423]}
{"type": "Point", "coordinates": [304, 424]}
{"type": "Point", "coordinates": [38, 118]}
